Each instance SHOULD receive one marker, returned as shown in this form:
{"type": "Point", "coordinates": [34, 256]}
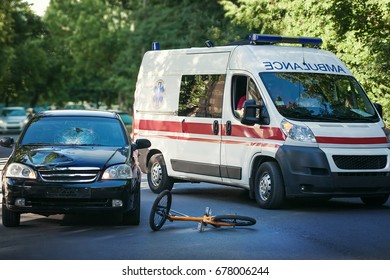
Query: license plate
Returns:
{"type": "Point", "coordinates": [62, 192]}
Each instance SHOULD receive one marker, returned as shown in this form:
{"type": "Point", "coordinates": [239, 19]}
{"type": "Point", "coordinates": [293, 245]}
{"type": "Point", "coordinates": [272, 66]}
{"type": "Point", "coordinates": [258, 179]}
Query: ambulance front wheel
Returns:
{"type": "Point", "coordinates": [158, 178]}
{"type": "Point", "coordinates": [269, 186]}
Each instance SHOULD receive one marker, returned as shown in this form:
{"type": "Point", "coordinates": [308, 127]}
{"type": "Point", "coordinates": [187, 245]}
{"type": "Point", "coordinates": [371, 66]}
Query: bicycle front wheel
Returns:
{"type": "Point", "coordinates": [160, 210]}
{"type": "Point", "coordinates": [235, 220]}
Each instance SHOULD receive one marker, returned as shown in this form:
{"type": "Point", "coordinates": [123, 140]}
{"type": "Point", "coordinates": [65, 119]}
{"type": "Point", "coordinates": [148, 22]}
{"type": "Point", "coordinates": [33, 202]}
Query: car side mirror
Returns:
{"type": "Point", "coordinates": [142, 144]}
{"type": "Point", "coordinates": [7, 142]}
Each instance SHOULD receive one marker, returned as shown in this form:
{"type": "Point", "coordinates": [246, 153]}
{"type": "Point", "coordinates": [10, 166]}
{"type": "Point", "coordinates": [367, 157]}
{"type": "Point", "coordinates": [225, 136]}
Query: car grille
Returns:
{"type": "Point", "coordinates": [360, 162]}
{"type": "Point", "coordinates": [70, 174]}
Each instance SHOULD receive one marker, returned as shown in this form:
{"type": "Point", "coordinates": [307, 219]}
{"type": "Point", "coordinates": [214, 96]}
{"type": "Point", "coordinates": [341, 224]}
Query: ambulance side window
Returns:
{"type": "Point", "coordinates": [201, 96]}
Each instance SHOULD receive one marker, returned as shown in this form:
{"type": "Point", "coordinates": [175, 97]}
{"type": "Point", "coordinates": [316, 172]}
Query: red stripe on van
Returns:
{"type": "Point", "coordinates": [167, 126]}
{"type": "Point", "coordinates": [170, 126]}
{"type": "Point", "coordinates": [347, 140]}
{"type": "Point", "coordinates": [263, 132]}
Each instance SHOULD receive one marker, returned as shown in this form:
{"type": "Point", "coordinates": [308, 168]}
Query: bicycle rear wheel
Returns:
{"type": "Point", "coordinates": [235, 220]}
{"type": "Point", "coordinates": [160, 210]}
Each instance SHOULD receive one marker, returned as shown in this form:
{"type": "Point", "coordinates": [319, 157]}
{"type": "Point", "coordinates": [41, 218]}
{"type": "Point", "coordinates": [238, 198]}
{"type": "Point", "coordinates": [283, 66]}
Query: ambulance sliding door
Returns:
{"type": "Point", "coordinates": [200, 114]}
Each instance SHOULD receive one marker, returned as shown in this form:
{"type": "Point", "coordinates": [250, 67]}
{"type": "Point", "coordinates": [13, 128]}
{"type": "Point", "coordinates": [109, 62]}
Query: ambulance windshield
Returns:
{"type": "Point", "coordinates": [319, 97]}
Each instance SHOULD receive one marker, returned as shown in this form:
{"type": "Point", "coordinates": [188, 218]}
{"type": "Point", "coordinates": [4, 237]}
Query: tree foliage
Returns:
{"type": "Point", "coordinates": [90, 50]}
{"type": "Point", "coordinates": [357, 31]}
{"type": "Point", "coordinates": [23, 66]}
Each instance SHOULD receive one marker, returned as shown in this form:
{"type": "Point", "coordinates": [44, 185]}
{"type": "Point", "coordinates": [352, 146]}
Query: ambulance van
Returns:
{"type": "Point", "coordinates": [275, 115]}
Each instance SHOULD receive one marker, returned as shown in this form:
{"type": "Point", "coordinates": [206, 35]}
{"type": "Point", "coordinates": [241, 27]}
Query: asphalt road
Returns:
{"type": "Point", "coordinates": [339, 229]}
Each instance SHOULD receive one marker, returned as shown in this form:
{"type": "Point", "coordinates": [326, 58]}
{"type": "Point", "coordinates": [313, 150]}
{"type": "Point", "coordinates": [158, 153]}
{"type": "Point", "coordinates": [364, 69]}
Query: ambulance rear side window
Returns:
{"type": "Point", "coordinates": [201, 96]}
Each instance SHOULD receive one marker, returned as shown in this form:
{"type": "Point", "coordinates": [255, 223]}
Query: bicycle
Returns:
{"type": "Point", "coordinates": [161, 211]}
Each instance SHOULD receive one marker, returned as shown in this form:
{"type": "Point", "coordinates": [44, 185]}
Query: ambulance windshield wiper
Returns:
{"type": "Point", "coordinates": [357, 120]}
{"type": "Point", "coordinates": [324, 118]}
{"type": "Point", "coordinates": [303, 115]}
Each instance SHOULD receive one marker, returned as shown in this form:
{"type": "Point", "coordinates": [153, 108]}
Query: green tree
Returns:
{"type": "Point", "coordinates": [103, 41]}
{"type": "Point", "coordinates": [358, 31]}
{"type": "Point", "coordinates": [87, 35]}
{"type": "Point", "coordinates": [175, 24]}
{"type": "Point", "coordinates": [22, 68]}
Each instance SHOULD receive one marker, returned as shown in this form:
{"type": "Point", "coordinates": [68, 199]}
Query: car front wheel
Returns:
{"type": "Point", "coordinates": [132, 217]}
{"type": "Point", "coordinates": [10, 218]}
{"type": "Point", "coordinates": [377, 200]}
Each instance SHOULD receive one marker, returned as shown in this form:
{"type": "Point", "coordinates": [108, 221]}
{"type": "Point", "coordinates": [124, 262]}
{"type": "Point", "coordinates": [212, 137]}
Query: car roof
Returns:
{"type": "Point", "coordinates": [77, 113]}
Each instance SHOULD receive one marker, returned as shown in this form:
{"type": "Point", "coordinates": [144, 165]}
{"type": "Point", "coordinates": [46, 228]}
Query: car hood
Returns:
{"type": "Point", "coordinates": [77, 156]}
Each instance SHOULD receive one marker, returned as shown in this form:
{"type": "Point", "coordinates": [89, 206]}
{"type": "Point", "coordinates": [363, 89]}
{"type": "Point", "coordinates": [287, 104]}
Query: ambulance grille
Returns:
{"type": "Point", "coordinates": [360, 162]}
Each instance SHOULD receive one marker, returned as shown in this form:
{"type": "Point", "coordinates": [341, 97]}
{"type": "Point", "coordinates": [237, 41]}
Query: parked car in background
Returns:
{"type": "Point", "coordinates": [12, 119]}
{"type": "Point", "coordinates": [72, 161]}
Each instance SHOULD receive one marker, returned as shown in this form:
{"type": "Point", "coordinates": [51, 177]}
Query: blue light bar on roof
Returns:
{"type": "Point", "coordinates": [272, 39]}
{"type": "Point", "coordinates": [155, 46]}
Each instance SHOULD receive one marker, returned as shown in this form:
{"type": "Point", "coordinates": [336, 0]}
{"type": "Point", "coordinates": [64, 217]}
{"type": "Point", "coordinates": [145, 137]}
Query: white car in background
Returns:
{"type": "Point", "coordinates": [12, 119]}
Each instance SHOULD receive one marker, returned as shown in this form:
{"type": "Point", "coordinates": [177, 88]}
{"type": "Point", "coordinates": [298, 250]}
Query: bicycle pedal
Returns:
{"type": "Point", "coordinates": [200, 227]}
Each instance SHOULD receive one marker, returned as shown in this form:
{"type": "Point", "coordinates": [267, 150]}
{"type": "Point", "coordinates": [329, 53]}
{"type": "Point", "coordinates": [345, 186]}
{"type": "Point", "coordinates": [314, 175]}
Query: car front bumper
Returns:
{"type": "Point", "coordinates": [114, 196]}
{"type": "Point", "coordinates": [11, 128]}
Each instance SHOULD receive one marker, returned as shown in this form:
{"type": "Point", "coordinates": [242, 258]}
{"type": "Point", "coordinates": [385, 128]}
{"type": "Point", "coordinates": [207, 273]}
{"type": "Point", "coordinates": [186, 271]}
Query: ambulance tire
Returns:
{"type": "Point", "coordinates": [158, 178]}
{"type": "Point", "coordinates": [269, 186]}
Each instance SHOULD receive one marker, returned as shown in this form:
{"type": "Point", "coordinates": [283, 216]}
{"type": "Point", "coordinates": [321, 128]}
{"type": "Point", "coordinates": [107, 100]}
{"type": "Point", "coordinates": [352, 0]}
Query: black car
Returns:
{"type": "Point", "coordinates": [72, 161]}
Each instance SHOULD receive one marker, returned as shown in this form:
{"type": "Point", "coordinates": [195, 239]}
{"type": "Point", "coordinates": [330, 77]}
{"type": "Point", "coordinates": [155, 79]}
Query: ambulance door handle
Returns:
{"type": "Point", "coordinates": [215, 127]}
{"type": "Point", "coordinates": [228, 128]}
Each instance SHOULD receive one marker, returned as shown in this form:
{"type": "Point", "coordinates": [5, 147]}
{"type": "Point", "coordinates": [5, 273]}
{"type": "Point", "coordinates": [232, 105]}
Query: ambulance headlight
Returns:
{"type": "Point", "coordinates": [118, 172]}
{"type": "Point", "coordinates": [298, 132]}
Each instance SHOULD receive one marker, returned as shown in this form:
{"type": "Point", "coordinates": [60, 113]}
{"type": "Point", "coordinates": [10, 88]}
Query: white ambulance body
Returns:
{"type": "Point", "coordinates": [307, 129]}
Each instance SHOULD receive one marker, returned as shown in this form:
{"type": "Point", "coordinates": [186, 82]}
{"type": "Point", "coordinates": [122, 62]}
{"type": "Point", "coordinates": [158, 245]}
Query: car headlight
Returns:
{"type": "Point", "coordinates": [118, 172]}
{"type": "Point", "coordinates": [298, 132]}
{"type": "Point", "coordinates": [18, 170]}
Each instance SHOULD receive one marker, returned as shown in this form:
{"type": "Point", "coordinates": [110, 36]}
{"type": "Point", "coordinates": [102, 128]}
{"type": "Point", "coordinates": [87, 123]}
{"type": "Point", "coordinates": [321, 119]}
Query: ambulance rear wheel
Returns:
{"type": "Point", "coordinates": [269, 186]}
{"type": "Point", "coordinates": [158, 178]}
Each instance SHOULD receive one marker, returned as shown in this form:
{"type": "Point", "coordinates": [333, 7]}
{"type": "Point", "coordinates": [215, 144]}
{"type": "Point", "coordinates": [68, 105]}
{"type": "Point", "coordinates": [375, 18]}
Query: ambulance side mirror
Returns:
{"type": "Point", "coordinates": [254, 114]}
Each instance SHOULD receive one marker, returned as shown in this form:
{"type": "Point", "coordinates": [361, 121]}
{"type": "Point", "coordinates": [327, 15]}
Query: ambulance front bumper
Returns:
{"type": "Point", "coordinates": [310, 171]}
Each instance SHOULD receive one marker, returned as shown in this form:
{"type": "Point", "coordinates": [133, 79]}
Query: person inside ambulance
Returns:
{"type": "Point", "coordinates": [248, 91]}
{"type": "Point", "coordinates": [240, 107]}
